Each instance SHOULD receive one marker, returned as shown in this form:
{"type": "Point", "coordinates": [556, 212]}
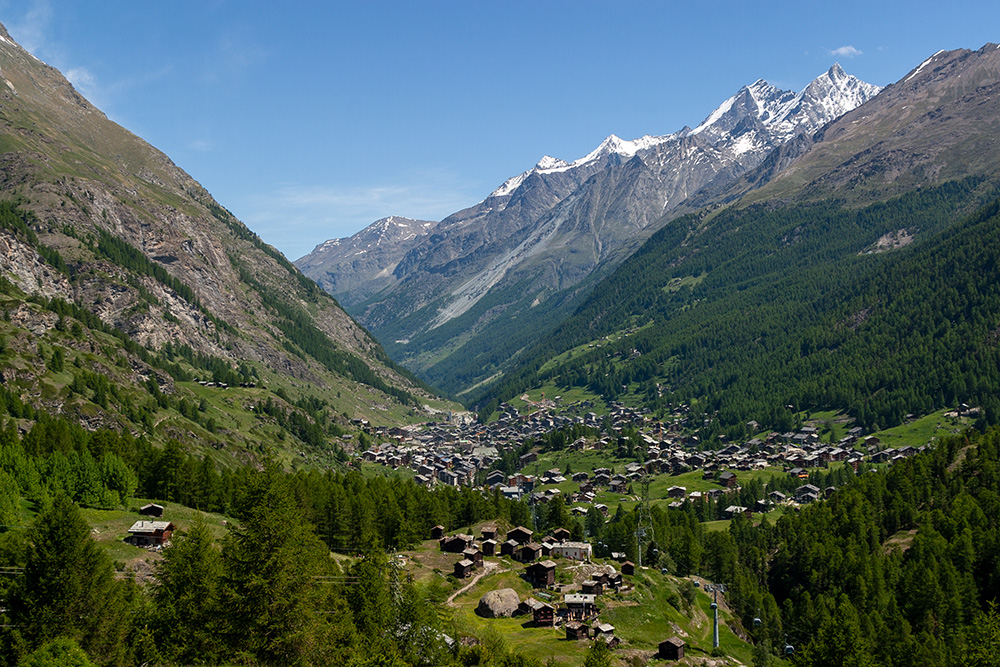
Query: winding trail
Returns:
{"type": "Point", "coordinates": [488, 566]}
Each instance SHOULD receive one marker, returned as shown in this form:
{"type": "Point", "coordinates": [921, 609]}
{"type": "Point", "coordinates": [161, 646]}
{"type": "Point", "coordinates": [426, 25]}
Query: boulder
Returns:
{"type": "Point", "coordinates": [498, 604]}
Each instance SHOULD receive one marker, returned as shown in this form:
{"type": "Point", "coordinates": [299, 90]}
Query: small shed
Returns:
{"type": "Point", "coordinates": [671, 649]}
{"type": "Point", "coordinates": [437, 532]}
{"type": "Point", "coordinates": [561, 534]}
{"type": "Point", "coordinates": [576, 630]}
{"type": "Point", "coordinates": [151, 509]}
{"type": "Point", "coordinates": [628, 568]}
{"type": "Point", "coordinates": [489, 532]}
{"type": "Point", "coordinates": [489, 547]}
{"type": "Point", "coordinates": [463, 568]}
{"type": "Point", "coordinates": [508, 548]}
{"type": "Point", "coordinates": [591, 587]}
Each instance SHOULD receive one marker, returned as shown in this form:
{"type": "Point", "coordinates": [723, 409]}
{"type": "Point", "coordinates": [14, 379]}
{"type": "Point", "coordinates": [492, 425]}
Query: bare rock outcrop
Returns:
{"type": "Point", "coordinates": [498, 604]}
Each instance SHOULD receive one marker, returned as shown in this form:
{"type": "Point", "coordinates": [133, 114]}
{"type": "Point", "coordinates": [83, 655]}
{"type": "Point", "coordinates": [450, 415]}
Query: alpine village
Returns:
{"type": "Point", "coordinates": [756, 426]}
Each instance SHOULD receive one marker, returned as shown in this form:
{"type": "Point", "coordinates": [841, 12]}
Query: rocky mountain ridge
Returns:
{"type": "Point", "coordinates": [543, 234]}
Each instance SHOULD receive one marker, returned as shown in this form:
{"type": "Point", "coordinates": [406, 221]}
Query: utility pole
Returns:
{"type": "Point", "coordinates": [715, 621]}
{"type": "Point", "coordinates": [645, 526]}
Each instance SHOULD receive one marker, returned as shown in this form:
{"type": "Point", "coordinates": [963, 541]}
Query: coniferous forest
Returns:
{"type": "Point", "coordinates": [899, 567]}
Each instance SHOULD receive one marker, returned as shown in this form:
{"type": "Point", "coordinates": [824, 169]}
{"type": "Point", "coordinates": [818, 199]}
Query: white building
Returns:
{"type": "Point", "coordinates": [573, 550]}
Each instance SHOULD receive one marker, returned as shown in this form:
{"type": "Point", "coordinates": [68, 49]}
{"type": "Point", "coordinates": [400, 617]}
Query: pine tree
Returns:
{"type": "Point", "coordinates": [272, 561]}
{"type": "Point", "coordinates": [598, 655]}
{"type": "Point", "coordinates": [186, 596]}
{"type": "Point", "coordinates": [68, 588]}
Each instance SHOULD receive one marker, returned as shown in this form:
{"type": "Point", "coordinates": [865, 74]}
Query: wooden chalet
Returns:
{"type": "Point", "coordinates": [437, 532]}
{"type": "Point", "coordinates": [489, 547]}
{"type": "Point", "coordinates": [628, 568]}
{"type": "Point", "coordinates": [456, 544]}
{"type": "Point", "coordinates": [464, 568]}
{"type": "Point", "coordinates": [529, 552]}
{"type": "Point", "coordinates": [541, 574]}
{"type": "Point", "coordinates": [561, 534]}
{"type": "Point", "coordinates": [605, 632]}
{"type": "Point", "coordinates": [542, 613]}
{"type": "Point", "coordinates": [489, 532]}
{"type": "Point", "coordinates": [575, 630]}
{"type": "Point", "coordinates": [671, 649]}
{"type": "Point", "coordinates": [475, 555]}
{"type": "Point", "coordinates": [615, 581]}
{"type": "Point", "coordinates": [521, 535]}
{"type": "Point", "coordinates": [151, 509]}
{"type": "Point", "coordinates": [509, 548]}
{"type": "Point", "coordinates": [728, 479]}
{"type": "Point", "coordinates": [592, 587]}
{"type": "Point", "coordinates": [580, 606]}
{"type": "Point", "coordinates": [150, 533]}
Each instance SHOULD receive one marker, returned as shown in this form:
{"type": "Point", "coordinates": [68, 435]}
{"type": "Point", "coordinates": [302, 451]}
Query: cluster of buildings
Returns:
{"type": "Point", "coordinates": [463, 453]}
{"type": "Point", "coordinates": [517, 544]}
{"type": "Point", "coordinates": [577, 609]}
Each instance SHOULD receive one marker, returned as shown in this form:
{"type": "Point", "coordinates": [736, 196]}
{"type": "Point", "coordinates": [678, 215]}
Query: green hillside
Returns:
{"type": "Point", "coordinates": [748, 311]}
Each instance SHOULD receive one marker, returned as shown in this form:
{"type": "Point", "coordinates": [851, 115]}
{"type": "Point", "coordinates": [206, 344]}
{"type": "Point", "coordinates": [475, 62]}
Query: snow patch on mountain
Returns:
{"type": "Point", "coordinates": [925, 63]}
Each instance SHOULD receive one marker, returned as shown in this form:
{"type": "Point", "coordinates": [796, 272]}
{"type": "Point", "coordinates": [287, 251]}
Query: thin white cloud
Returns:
{"type": "Point", "coordinates": [30, 29]}
{"type": "Point", "coordinates": [297, 217]}
{"type": "Point", "coordinates": [845, 52]}
{"type": "Point", "coordinates": [83, 80]}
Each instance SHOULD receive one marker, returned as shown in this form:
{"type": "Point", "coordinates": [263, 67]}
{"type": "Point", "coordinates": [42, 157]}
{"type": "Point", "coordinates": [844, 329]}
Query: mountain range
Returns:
{"type": "Point", "coordinates": [851, 272]}
{"type": "Point", "coordinates": [460, 300]}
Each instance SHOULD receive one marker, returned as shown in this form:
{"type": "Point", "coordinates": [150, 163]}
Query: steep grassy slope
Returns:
{"type": "Point", "coordinates": [119, 259]}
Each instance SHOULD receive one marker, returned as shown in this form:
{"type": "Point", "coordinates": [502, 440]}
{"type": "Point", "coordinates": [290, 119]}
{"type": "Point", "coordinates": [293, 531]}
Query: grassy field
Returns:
{"type": "Point", "coordinates": [643, 616]}
{"type": "Point", "coordinates": [924, 430]}
{"type": "Point", "coordinates": [110, 527]}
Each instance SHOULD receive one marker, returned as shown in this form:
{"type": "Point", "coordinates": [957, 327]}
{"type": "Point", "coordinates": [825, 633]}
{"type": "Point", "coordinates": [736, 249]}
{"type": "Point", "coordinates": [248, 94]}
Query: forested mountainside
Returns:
{"type": "Point", "coordinates": [846, 288]}
{"type": "Point", "coordinates": [879, 312]}
{"type": "Point", "coordinates": [492, 279]}
{"type": "Point", "coordinates": [124, 283]}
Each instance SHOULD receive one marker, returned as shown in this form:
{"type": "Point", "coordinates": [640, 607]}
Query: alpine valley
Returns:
{"type": "Point", "coordinates": [460, 300]}
{"type": "Point", "coordinates": [125, 284]}
{"type": "Point", "coordinates": [738, 394]}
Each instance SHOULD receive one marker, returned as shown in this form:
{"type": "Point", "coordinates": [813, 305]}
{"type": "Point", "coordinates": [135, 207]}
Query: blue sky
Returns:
{"type": "Point", "coordinates": [310, 120]}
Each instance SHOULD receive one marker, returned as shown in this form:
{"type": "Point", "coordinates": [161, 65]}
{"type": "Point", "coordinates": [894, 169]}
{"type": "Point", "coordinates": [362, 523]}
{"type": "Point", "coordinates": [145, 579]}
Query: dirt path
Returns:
{"type": "Point", "coordinates": [488, 566]}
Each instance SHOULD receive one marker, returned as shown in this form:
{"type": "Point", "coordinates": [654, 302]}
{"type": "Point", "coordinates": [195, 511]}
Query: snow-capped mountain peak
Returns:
{"type": "Point", "coordinates": [611, 145]}
{"type": "Point", "coordinates": [785, 113]}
